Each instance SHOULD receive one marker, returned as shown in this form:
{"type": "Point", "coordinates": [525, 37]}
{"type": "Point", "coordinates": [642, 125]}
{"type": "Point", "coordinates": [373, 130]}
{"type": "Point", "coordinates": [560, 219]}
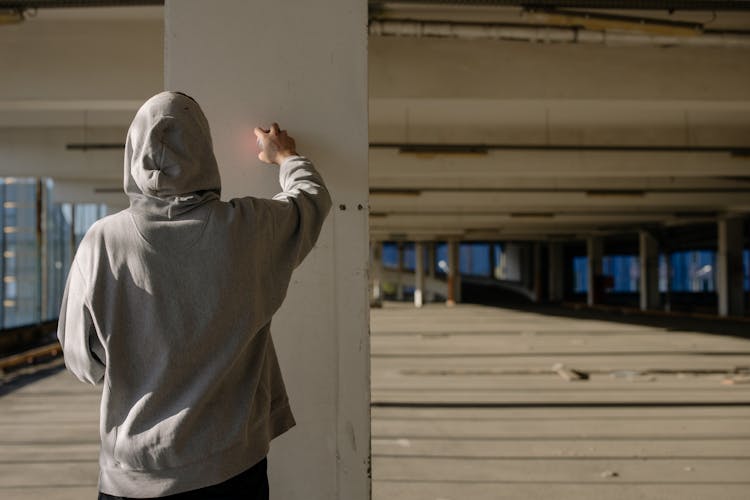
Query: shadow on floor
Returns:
{"type": "Point", "coordinates": [719, 326]}
{"type": "Point", "coordinates": [17, 379]}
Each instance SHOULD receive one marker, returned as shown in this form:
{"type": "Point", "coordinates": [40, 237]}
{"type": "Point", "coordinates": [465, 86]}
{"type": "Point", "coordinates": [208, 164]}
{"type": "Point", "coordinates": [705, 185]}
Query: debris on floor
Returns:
{"type": "Point", "coordinates": [633, 376]}
{"type": "Point", "coordinates": [736, 380]}
{"type": "Point", "coordinates": [569, 374]}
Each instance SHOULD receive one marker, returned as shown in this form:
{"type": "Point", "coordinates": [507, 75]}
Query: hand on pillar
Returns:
{"type": "Point", "coordinates": [275, 145]}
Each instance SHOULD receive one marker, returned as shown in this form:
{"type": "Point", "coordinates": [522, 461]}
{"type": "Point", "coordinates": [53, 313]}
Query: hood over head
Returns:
{"type": "Point", "coordinates": [170, 166]}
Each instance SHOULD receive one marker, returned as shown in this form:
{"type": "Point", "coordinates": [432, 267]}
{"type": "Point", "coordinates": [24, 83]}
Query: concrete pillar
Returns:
{"type": "Point", "coordinates": [400, 272]}
{"type": "Point", "coordinates": [376, 269]}
{"type": "Point", "coordinates": [668, 293]}
{"type": "Point", "coordinates": [512, 266]}
{"type": "Point", "coordinates": [419, 274]}
{"type": "Point", "coordinates": [556, 272]}
{"type": "Point", "coordinates": [493, 261]}
{"type": "Point", "coordinates": [430, 294]}
{"type": "Point", "coordinates": [536, 252]}
{"type": "Point", "coordinates": [454, 274]}
{"type": "Point", "coordinates": [527, 266]}
{"type": "Point", "coordinates": [594, 252]}
{"type": "Point", "coordinates": [729, 263]}
{"type": "Point", "coordinates": [649, 263]}
{"type": "Point", "coordinates": [303, 64]}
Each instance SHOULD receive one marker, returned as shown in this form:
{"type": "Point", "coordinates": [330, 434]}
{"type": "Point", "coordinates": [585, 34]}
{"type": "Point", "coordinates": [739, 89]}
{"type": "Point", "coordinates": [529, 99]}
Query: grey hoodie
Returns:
{"type": "Point", "coordinates": [169, 303]}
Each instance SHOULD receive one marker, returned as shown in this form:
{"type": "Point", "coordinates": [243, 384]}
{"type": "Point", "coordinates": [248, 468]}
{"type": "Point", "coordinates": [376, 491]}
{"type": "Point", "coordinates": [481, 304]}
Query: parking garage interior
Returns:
{"type": "Point", "coordinates": [536, 276]}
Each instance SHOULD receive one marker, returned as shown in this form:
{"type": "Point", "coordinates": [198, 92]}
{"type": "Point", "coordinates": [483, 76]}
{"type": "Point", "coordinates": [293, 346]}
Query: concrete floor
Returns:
{"type": "Point", "coordinates": [466, 406]}
{"type": "Point", "coordinates": [49, 439]}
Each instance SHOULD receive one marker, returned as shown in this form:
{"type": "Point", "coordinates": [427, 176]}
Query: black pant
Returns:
{"type": "Point", "coordinates": [249, 485]}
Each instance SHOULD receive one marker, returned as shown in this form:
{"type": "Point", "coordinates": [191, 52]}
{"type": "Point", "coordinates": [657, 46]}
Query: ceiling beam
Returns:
{"type": "Point", "coordinates": [544, 202]}
{"type": "Point", "coordinates": [670, 5]}
{"type": "Point", "coordinates": [392, 164]}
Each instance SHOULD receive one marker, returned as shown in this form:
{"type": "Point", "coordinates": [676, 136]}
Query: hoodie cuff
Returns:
{"type": "Point", "coordinates": [288, 164]}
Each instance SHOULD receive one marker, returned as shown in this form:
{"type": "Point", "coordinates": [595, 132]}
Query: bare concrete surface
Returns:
{"type": "Point", "coordinates": [467, 406]}
{"type": "Point", "coordinates": [49, 438]}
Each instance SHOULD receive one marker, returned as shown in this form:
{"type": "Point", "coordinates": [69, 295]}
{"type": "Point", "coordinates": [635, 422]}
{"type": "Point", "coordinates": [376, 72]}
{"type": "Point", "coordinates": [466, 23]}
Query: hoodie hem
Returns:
{"type": "Point", "coordinates": [206, 471]}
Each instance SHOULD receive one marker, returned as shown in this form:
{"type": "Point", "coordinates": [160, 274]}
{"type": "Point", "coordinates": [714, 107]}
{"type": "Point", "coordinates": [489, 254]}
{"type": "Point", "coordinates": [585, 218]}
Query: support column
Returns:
{"type": "Point", "coordinates": [729, 262]}
{"type": "Point", "coordinates": [536, 252]}
{"type": "Point", "coordinates": [419, 274]}
{"type": "Point", "coordinates": [430, 294]}
{"type": "Point", "coordinates": [454, 274]}
{"type": "Point", "coordinates": [594, 252]}
{"type": "Point", "coordinates": [527, 266]}
{"type": "Point", "coordinates": [400, 272]}
{"type": "Point", "coordinates": [376, 251]}
{"type": "Point", "coordinates": [298, 63]}
{"type": "Point", "coordinates": [556, 276]}
{"type": "Point", "coordinates": [649, 263]}
{"type": "Point", "coordinates": [668, 293]}
{"type": "Point", "coordinates": [493, 261]}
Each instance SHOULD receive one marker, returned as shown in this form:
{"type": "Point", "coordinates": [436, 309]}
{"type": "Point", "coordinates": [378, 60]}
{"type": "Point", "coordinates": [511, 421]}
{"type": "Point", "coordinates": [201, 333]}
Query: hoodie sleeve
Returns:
{"type": "Point", "coordinates": [299, 210]}
{"type": "Point", "coordinates": [83, 351]}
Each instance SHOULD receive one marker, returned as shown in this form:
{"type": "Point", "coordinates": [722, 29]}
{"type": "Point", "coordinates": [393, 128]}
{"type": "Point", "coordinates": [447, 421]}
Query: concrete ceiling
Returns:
{"type": "Point", "coordinates": [78, 75]}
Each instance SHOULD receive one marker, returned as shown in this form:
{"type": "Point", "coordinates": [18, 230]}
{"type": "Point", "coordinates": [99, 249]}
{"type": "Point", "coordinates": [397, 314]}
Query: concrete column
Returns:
{"type": "Point", "coordinates": [594, 252]}
{"type": "Point", "coordinates": [419, 274]}
{"type": "Point", "coordinates": [493, 261]}
{"type": "Point", "coordinates": [512, 263]}
{"type": "Point", "coordinates": [400, 272]}
{"type": "Point", "coordinates": [668, 294]}
{"type": "Point", "coordinates": [729, 262]}
{"type": "Point", "coordinates": [649, 263]}
{"type": "Point", "coordinates": [536, 252]}
{"type": "Point", "coordinates": [430, 294]}
{"type": "Point", "coordinates": [303, 64]}
{"type": "Point", "coordinates": [556, 272]}
{"type": "Point", "coordinates": [376, 268]}
{"type": "Point", "coordinates": [454, 274]}
{"type": "Point", "coordinates": [527, 266]}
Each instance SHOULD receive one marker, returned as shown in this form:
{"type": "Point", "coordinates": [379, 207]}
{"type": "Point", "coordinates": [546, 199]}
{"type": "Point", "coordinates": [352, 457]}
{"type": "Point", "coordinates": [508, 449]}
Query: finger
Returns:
{"type": "Point", "coordinates": [275, 128]}
{"type": "Point", "coordinates": [259, 132]}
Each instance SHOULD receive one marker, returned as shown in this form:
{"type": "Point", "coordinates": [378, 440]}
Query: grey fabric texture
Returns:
{"type": "Point", "coordinates": [169, 304]}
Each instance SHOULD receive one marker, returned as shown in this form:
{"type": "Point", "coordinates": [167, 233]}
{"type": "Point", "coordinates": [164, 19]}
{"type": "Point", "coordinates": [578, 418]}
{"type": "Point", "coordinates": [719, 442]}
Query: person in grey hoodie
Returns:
{"type": "Point", "coordinates": [169, 304]}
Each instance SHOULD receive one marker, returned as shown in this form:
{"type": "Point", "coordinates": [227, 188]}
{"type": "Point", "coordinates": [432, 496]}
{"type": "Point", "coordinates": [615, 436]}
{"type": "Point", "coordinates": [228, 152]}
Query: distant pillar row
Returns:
{"type": "Point", "coordinates": [729, 262]}
{"type": "Point", "coordinates": [649, 265]}
{"type": "Point", "coordinates": [594, 251]}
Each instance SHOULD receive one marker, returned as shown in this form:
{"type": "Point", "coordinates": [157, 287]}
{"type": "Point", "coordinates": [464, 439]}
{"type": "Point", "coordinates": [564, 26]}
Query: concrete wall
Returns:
{"type": "Point", "coordinates": [303, 64]}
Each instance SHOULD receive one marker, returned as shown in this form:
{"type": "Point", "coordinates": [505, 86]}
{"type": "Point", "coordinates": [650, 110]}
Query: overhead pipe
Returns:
{"type": "Point", "coordinates": [544, 34]}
